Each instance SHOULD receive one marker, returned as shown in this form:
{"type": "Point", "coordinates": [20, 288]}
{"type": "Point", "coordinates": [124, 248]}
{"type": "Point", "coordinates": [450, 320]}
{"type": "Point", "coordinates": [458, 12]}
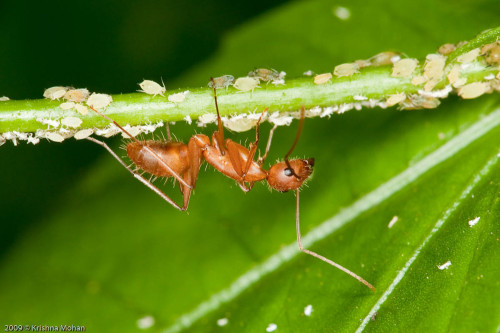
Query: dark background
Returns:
{"type": "Point", "coordinates": [105, 46]}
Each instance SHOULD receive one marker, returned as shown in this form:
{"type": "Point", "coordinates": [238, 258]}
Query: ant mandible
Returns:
{"type": "Point", "coordinates": [182, 161]}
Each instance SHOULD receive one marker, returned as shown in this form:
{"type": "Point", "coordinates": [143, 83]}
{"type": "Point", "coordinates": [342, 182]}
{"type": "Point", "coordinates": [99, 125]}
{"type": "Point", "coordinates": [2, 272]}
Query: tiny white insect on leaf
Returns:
{"type": "Point", "coordinates": [4, 99]}
{"type": "Point", "coordinates": [395, 99]}
{"type": "Point", "coordinates": [474, 221]}
{"type": "Point", "coordinates": [55, 92]}
{"type": "Point", "coordinates": [73, 122]}
{"type": "Point", "coordinates": [56, 137]}
{"type": "Point", "coordinates": [67, 105]}
{"type": "Point", "coordinates": [271, 327]}
{"type": "Point", "coordinates": [240, 124]}
{"type": "Point", "coordinates": [469, 56]}
{"type": "Point", "coordinates": [308, 310]}
{"type": "Point", "coordinates": [346, 69]}
{"type": "Point", "coordinates": [152, 88]}
{"type": "Point", "coordinates": [85, 133]}
{"type": "Point", "coordinates": [145, 322]}
{"type": "Point", "coordinates": [177, 98]}
{"type": "Point", "coordinates": [418, 80]}
{"type": "Point", "coordinates": [445, 265]}
{"type": "Point", "coordinates": [322, 78]}
{"type": "Point", "coordinates": [222, 322]}
{"type": "Point", "coordinates": [77, 95]}
{"type": "Point", "coordinates": [99, 101]}
{"type": "Point", "coordinates": [223, 81]}
{"type": "Point", "coordinates": [404, 67]}
{"type": "Point", "coordinates": [473, 90]}
{"type": "Point", "coordinates": [246, 83]}
{"type": "Point", "coordinates": [446, 49]}
{"type": "Point", "coordinates": [82, 109]}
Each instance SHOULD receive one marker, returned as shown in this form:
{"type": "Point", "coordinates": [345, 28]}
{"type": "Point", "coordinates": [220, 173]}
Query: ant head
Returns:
{"type": "Point", "coordinates": [283, 178]}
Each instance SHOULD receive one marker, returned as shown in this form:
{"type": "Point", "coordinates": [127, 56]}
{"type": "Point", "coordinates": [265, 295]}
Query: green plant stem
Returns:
{"type": "Point", "coordinates": [375, 83]}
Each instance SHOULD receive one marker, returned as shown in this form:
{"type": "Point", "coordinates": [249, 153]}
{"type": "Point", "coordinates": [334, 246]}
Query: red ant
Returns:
{"type": "Point", "coordinates": [182, 161]}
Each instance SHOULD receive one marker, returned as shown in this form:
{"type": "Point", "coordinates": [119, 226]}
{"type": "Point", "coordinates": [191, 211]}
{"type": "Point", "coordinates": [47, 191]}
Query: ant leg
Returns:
{"type": "Point", "coordinates": [136, 175]}
{"type": "Point", "coordinates": [220, 133]}
{"type": "Point", "coordinates": [314, 254]}
{"type": "Point", "coordinates": [260, 161]}
{"type": "Point", "coordinates": [172, 172]}
{"type": "Point", "coordinates": [253, 146]}
{"type": "Point", "coordinates": [167, 127]}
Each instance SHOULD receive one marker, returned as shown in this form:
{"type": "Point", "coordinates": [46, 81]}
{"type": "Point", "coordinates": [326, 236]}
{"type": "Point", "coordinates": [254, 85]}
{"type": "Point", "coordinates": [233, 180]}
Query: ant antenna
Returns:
{"type": "Point", "coordinates": [299, 131]}
{"type": "Point", "coordinates": [220, 133]}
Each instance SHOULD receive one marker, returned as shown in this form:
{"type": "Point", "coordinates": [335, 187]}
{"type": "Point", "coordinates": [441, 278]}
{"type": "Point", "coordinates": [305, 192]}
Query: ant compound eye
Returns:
{"type": "Point", "coordinates": [288, 172]}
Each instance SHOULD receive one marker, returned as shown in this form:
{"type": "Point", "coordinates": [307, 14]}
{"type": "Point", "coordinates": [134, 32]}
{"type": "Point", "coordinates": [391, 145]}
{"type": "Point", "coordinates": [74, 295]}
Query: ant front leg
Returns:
{"type": "Point", "coordinates": [139, 177]}
{"type": "Point", "coordinates": [261, 160]}
{"type": "Point", "coordinates": [320, 257]}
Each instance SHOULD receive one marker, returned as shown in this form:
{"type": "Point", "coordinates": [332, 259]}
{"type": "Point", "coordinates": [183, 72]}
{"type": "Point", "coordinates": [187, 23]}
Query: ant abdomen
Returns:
{"type": "Point", "coordinates": [282, 178]}
{"type": "Point", "coordinates": [175, 154]}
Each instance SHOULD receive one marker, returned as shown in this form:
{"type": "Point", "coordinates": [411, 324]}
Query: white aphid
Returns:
{"type": "Point", "coordinates": [322, 78]}
{"type": "Point", "coordinates": [418, 80]}
{"type": "Point", "coordinates": [145, 322]}
{"type": "Point", "coordinates": [308, 73]}
{"type": "Point", "coordinates": [392, 222]}
{"type": "Point", "coordinates": [271, 327]}
{"type": "Point", "coordinates": [206, 118]}
{"type": "Point", "coordinates": [4, 99]}
{"type": "Point", "coordinates": [362, 63]}
{"type": "Point", "coordinates": [56, 137]}
{"type": "Point", "coordinates": [152, 88]}
{"type": "Point", "coordinates": [473, 90]}
{"type": "Point", "coordinates": [222, 322]}
{"type": "Point", "coordinates": [246, 83]}
{"type": "Point", "coordinates": [265, 74]}
{"type": "Point", "coordinates": [443, 93]}
{"type": "Point", "coordinates": [85, 133]}
{"type": "Point", "coordinates": [429, 85]}
{"type": "Point", "coordinates": [77, 95]}
{"type": "Point", "coordinates": [99, 101]}
{"type": "Point", "coordinates": [72, 122]}
{"type": "Point", "coordinates": [469, 56]}
{"type": "Point", "coordinates": [342, 13]}
{"type": "Point", "coordinates": [346, 69]}
{"type": "Point", "coordinates": [360, 98]}
{"type": "Point", "coordinates": [474, 221]}
{"type": "Point", "coordinates": [188, 120]}
{"type": "Point", "coordinates": [446, 49]}
{"type": "Point", "coordinates": [223, 81]}
{"type": "Point", "coordinates": [280, 119]}
{"type": "Point", "coordinates": [445, 265]}
{"type": "Point", "coordinates": [108, 131]}
{"type": "Point", "coordinates": [177, 98]}
{"type": "Point", "coordinates": [240, 124]}
{"type": "Point", "coordinates": [454, 77]}
{"type": "Point", "coordinates": [385, 58]}
{"type": "Point", "coordinates": [434, 66]}
{"type": "Point", "coordinates": [33, 140]}
{"type": "Point", "coordinates": [404, 67]}
{"type": "Point", "coordinates": [55, 92]}
{"type": "Point", "coordinates": [67, 105]}
{"type": "Point", "coordinates": [82, 109]}
{"type": "Point", "coordinates": [395, 99]}
{"type": "Point", "coordinates": [308, 310]}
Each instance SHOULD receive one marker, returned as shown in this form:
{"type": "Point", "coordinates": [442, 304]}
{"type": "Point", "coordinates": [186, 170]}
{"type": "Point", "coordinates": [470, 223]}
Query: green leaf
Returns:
{"type": "Point", "coordinates": [114, 252]}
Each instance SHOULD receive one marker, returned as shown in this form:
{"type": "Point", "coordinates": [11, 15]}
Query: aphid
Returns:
{"type": "Point", "coordinates": [152, 88]}
{"type": "Point", "coordinates": [223, 81]}
{"type": "Point", "coordinates": [404, 67]}
{"type": "Point", "coordinates": [395, 99]}
{"type": "Point", "coordinates": [77, 95]}
{"type": "Point", "coordinates": [445, 265]}
{"type": "Point", "coordinates": [177, 98]}
{"type": "Point", "coordinates": [393, 222]}
{"type": "Point", "coordinates": [85, 133]}
{"type": "Point", "coordinates": [474, 221]}
{"type": "Point", "coordinates": [182, 161]}
{"type": "Point", "coordinates": [246, 83]}
{"type": "Point", "coordinates": [346, 69]}
{"type": "Point", "coordinates": [56, 137]}
{"type": "Point", "coordinates": [491, 53]}
{"type": "Point", "coordinates": [469, 56]}
{"type": "Point", "coordinates": [4, 99]}
{"type": "Point", "coordinates": [454, 77]}
{"type": "Point", "coordinates": [67, 105]}
{"type": "Point", "coordinates": [446, 49]}
{"type": "Point", "coordinates": [222, 322]}
{"type": "Point", "coordinates": [99, 101]}
{"type": "Point", "coordinates": [434, 66]}
{"type": "Point", "coordinates": [308, 310]}
{"type": "Point", "coordinates": [55, 92]}
{"type": "Point", "coordinates": [418, 80]}
{"type": "Point", "coordinates": [413, 102]}
{"type": "Point", "coordinates": [385, 58]}
{"type": "Point", "coordinates": [363, 63]}
{"type": "Point", "coordinates": [473, 90]}
{"type": "Point", "coordinates": [82, 109]}
{"type": "Point", "coordinates": [73, 122]}
{"type": "Point", "coordinates": [322, 78]}
{"type": "Point", "coordinates": [265, 74]}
